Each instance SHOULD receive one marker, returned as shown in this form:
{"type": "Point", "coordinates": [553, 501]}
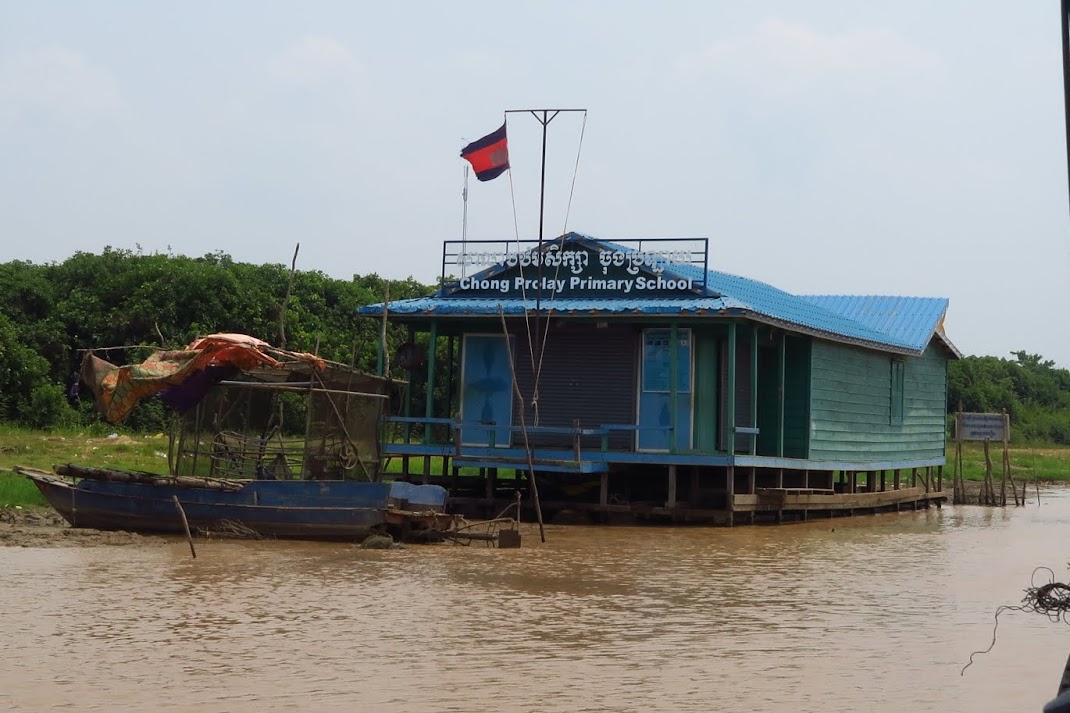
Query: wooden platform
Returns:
{"type": "Point", "coordinates": [777, 499]}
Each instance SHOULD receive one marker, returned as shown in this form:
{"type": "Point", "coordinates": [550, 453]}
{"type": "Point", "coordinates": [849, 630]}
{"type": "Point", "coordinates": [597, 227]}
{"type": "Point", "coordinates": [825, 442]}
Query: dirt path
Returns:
{"type": "Point", "coordinates": [43, 527]}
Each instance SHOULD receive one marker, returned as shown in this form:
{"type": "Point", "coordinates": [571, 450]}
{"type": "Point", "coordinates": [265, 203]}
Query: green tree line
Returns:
{"type": "Point", "coordinates": [50, 314]}
{"type": "Point", "coordinates": [1028, 387]}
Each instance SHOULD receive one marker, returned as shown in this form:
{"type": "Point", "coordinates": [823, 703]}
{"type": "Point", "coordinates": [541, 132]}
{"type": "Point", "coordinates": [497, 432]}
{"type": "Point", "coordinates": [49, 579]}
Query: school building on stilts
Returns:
{"type": "Point", "coordinates": [633, 380]}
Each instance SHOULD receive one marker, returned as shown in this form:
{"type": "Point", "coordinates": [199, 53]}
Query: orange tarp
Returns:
{"type": "Point", "coordinates": [119, 388]}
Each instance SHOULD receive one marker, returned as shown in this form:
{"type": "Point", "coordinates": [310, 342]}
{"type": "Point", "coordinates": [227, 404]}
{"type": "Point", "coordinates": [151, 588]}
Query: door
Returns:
{"type": "Point", "coordinates": [655, 384]}
{"type": "Point", "coordinates": [486, 391]}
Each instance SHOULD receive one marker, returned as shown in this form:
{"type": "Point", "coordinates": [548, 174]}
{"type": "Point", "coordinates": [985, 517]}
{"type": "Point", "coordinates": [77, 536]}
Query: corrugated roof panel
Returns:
{"type": "Point", "coordinates": [909, 320]}
{"type": "Point", "coordinates": [895, 323]}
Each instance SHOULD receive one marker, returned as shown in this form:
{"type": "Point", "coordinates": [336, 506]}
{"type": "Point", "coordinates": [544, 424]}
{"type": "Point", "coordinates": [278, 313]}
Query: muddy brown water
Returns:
{"type": "Point", "coordinates": [867, 614]}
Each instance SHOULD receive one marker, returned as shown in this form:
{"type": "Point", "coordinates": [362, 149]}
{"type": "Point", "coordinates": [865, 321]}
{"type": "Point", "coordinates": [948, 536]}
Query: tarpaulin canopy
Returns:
{"type": "Point", "coordinates": [119, 388]}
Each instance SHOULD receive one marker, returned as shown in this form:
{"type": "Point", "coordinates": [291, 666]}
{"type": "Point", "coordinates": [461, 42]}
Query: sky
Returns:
{"type": "Point", "coordinates": [912, 148]}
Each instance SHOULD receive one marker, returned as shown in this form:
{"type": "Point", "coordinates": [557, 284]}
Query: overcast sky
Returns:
{"type": "Point", "coordinates": [914, 147]}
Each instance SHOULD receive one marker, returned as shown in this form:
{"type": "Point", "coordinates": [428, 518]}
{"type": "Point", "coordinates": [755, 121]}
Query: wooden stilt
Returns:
{"type": "Point", "coordinates": [730, 491]}
{"type": "Point", "coordinates": [671, 500]}
{"type": "Point", "coordinates": [185, 525]}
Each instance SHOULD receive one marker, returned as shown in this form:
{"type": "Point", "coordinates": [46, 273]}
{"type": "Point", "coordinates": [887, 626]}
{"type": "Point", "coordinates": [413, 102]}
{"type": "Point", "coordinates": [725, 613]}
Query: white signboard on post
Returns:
{"type": "Point", "coordinates": [983, 427]}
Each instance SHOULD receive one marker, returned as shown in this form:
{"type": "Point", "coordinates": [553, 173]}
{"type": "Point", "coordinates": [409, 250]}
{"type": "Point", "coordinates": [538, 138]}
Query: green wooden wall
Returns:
{"type": "Point", "coordinates": [850, 405]}
{"type": "Point", "coordinates": [706, 387]}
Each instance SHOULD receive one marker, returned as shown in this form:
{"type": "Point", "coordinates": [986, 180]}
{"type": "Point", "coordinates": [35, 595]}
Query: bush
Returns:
{"type": "Point", "coordinates": [48, 408]}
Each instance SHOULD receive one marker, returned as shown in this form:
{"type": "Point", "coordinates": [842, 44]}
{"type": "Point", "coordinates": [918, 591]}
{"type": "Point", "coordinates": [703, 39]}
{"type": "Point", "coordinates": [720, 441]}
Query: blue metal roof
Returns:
{"type": "Point", "coordinates": [899, 324]}
{"type": "Point", "coordinates": [911, 321]}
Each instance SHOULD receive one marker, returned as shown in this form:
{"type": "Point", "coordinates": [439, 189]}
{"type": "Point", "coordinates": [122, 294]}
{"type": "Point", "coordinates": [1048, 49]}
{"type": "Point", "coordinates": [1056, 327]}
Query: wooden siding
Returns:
{"type": "Point", "coordinates": [744, 336]}
{"type": "Point", "coordinates": [851, 409]}
{"type": "Point", "coordinates": [796, 397]}
{"type": "Point", "coordinates": [706, 382]}
{"type": "Point", "coordinates": [768, 399]}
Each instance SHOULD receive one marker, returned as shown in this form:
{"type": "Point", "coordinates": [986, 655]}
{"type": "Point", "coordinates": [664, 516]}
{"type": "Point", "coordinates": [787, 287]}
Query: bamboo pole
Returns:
{"type": "Point", "coordinates": [286, 298]}
{"type": "Point", "coordinates": [185, 525]}
{"type": "Point", "coordinates": [960, 485]}
{"type": "Point", "coordinates": [989, 490]}
{"type": "Point", "coordinates": [523, 428]}
{"type": "Point", "coordinates": [1006, 463]}
{"type": "Point", "coordinates": [384, 352]}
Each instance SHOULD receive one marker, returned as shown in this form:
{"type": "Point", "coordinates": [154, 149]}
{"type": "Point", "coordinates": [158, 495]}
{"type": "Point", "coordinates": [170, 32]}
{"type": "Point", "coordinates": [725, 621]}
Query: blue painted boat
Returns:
{"type": "Point", "coordinates": [332, 510]}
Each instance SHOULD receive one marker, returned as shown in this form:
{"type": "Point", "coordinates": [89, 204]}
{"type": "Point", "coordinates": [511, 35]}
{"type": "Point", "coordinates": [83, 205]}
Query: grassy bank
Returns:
{"type": "Point", "coordinates": [38, 449]}
{"type": "Point", "coordinates": [1043, 462]}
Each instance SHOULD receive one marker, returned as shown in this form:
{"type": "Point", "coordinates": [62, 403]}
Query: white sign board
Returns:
{"type": "Point", "coordinates": [983, 426]}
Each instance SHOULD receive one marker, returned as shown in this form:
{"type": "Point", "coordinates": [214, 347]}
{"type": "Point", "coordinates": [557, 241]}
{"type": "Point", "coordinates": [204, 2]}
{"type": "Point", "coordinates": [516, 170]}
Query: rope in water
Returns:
{"type": "Point", "coordinates": [1052, 599]}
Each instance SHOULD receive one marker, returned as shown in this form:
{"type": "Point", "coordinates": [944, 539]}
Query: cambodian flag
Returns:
{"type": "Point", "coordinates": [489, 156]}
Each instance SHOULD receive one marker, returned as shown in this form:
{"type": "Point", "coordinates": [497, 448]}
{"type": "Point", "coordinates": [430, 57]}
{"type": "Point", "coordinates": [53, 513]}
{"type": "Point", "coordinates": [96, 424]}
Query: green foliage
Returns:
{"type": "Point", "coordinates": [51, 314]}
{"type": "Point", "coordinates": [48, 407]}
{"type": "Point", "coordinates": [1028, 387]}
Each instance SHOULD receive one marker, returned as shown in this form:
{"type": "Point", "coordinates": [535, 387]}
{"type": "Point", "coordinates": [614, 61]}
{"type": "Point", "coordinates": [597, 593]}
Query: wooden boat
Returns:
{"type": "Point", "coordinates": [335, 510]}
{"type": "Point", "coordinates": [236, 463]}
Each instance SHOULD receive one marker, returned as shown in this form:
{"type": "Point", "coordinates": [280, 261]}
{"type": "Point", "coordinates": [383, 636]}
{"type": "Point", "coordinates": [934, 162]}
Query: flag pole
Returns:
{"type": "Point", "coordinates": [464, 219]}
{"type": "Point", "coordinates": [1065, 22]}
{"type": "Point", "coordinates": [544, 117]}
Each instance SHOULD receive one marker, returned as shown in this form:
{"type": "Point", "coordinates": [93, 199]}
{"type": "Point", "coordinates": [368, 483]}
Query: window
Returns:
{"type": "Point", "coordinates": [895, 410]}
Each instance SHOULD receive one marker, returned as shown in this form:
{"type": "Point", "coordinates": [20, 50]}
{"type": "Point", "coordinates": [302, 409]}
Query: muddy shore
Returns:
{"type": "Point", "coordinates": [43, 527]}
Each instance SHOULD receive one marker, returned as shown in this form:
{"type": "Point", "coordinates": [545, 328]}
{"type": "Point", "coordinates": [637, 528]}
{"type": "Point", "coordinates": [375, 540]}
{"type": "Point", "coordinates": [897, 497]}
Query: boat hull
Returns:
{"type": "Point", "coordinates": [340, 510]}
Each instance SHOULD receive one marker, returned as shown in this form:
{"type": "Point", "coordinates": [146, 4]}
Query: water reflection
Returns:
{"type": "Point", "coordinates": [874, 614]}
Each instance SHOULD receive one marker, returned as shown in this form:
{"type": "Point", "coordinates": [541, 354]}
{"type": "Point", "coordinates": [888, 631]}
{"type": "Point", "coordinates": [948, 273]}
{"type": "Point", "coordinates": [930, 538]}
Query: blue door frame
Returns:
{"type": "Point", "coordinates": [656, 386]}
{"type": "Point", "coordinates": [486, 391]}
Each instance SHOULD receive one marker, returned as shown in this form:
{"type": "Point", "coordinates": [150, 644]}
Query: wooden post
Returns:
{"type": "Point", "coordinates": [674, 357]}
{"type": "Point", "coordinates": [671, 500]}
{"type": "Point", "coordinates": [781, 360]}
{"type": "Point", "coordinates": [1006, 463]}
{"type": "Point", "coordinates": [754, 390]}
{"type": "Point", "coordinates": [780, 477]}
{"type": "Point", "coordinates": [730, 488]}
{"type": "Point", "coordinates": [895, 479]}
{"type": "Point", "coordinates": [532, 486]}
{"type": "Point", "coordinates": [1007, 458]}
{"type": "Point", "coordinates": [884, 482]}
{"type": "Point", "coordinates": [286, 298]}
{"type": "Point", "coordinates": [603, 489]}
{"type": "Point", "coordinates": [384, 354]}
{"type": "Point", "coordinates": [429, 401]}
{"type": "Point", "coordinates": [730, 397]}
{"type": "Point", "coordinates": [989, 491]}
{"type": "Point", "coordinates": [185, 525]}
{"type": "Point", "coordinates": [750, 480]}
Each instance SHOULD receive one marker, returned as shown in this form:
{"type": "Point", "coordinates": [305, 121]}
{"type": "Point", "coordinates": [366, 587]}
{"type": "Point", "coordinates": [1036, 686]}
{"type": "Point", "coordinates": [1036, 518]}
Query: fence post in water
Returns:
{"type": "Point", "coordinates": [185, 525]}
{"type": "Point", "coordinates": [1006, 460]}
{"type": "Point", "coordinates": [989, 490]}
